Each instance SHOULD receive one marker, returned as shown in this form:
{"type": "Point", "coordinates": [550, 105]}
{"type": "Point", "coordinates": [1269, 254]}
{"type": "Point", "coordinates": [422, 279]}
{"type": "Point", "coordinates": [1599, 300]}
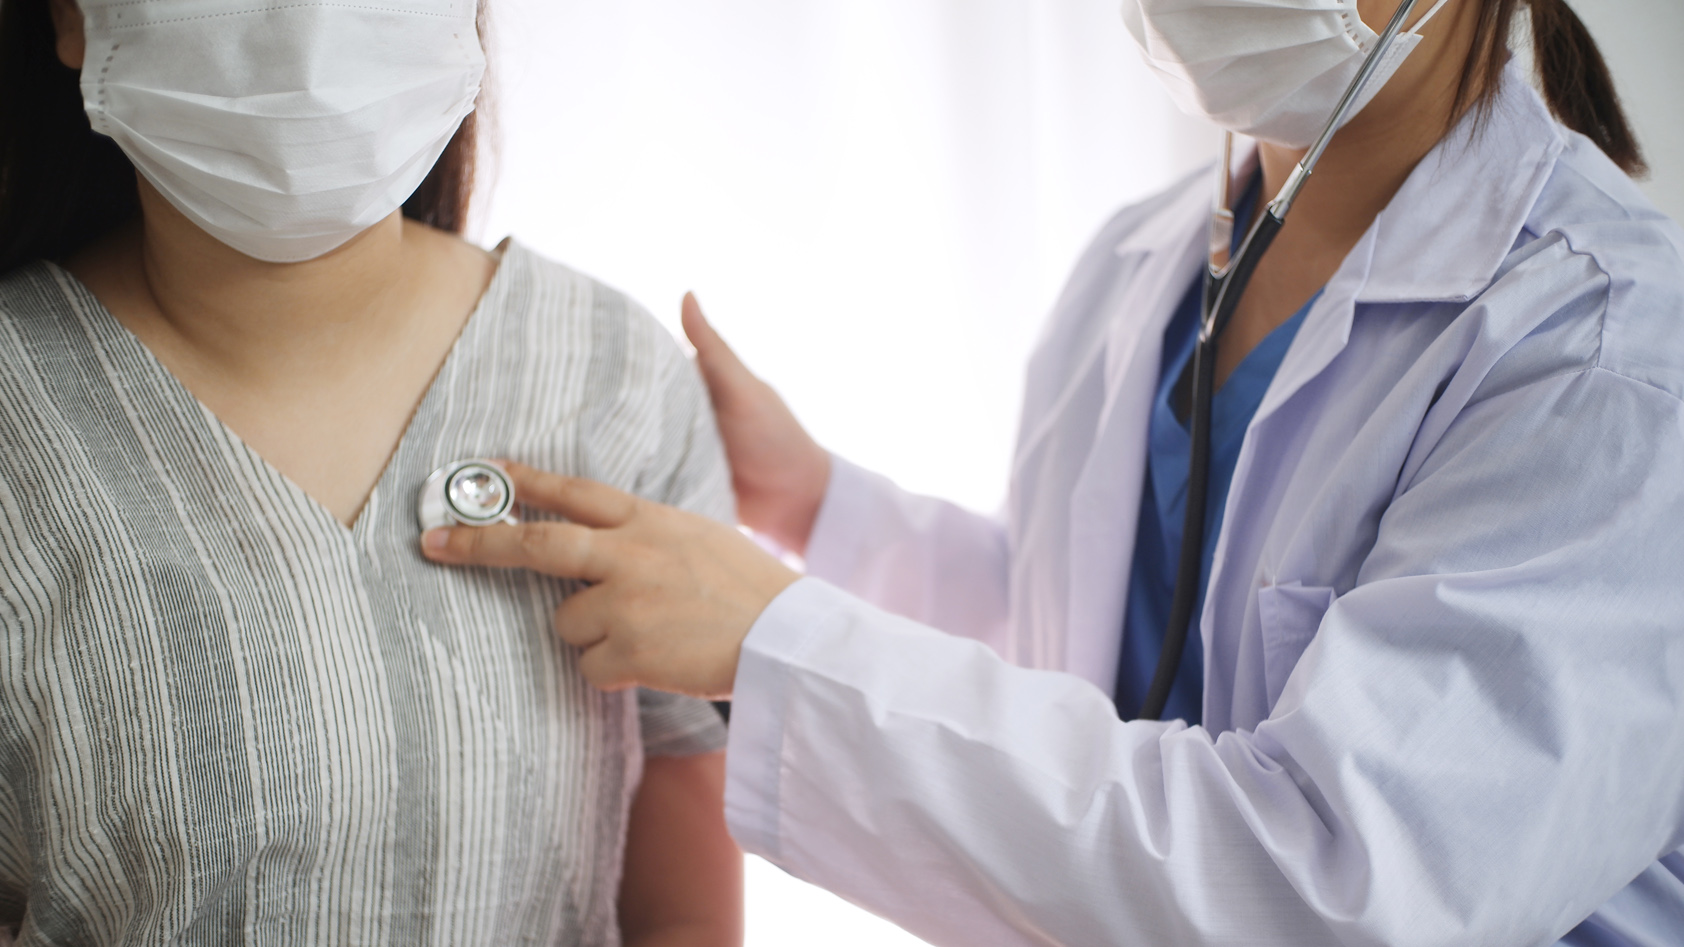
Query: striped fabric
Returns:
{"type": "Point", "coordinates": [226, 718]}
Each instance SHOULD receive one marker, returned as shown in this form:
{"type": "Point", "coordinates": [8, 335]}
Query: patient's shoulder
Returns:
{"type": "Point", "coordinates": [621, 336]}
{"type": "Point", "coordinates": [597, 368]}
{"type": "Point", "coordinates": [60, 365]}
{"type": "Point", "coordinates": [42, 327]}
{"type": "Point", "coordinates": [34, 291]}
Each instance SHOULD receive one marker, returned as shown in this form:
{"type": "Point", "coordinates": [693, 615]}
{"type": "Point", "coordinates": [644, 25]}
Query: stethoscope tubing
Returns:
{"type": "Point", "coordinates": [1224, 285]}
{"type": "Point", "coordinates": [1222, 296]}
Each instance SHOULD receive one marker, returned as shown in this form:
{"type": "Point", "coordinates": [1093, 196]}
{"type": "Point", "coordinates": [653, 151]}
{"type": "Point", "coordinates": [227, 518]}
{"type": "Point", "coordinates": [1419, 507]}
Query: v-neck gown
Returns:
{"type": "Point", "coordinates": [225, 718]}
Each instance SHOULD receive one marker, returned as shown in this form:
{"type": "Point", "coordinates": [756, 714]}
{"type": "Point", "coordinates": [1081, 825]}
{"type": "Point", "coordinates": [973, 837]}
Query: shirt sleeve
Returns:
{"type": "Point", "coordinates": [916, 556]}
{"type": "Point", "coordinates": [674, 725]}
{"type": "Point", "coordinates": [15, 863]}
{"type": "Point", "coordinates": [1483, 743]}
{"type": "Point", "coordinates": [689, 471]}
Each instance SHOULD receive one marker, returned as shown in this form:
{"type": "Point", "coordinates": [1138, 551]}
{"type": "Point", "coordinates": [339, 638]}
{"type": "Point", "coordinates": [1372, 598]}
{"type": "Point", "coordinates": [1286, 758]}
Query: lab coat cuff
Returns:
{"type": "Point", "coordinates": [845, 520]}
{"type": "Point", "coordinates": [761, 695]}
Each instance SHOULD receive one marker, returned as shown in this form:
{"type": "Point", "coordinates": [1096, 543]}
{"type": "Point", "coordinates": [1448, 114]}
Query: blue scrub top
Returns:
{"type": "Point", "coordinates": [1163, 503]}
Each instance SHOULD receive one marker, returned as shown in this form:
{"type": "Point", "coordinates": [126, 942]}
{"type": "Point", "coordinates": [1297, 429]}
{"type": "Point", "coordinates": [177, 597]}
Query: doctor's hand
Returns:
{"type": "Point", "coordinates": [672, 594]}
{"type": "Point", "coordinates": [778, 472]}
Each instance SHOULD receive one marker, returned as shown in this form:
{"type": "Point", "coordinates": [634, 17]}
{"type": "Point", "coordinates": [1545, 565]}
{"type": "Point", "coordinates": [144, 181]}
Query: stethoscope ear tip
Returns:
{"type": "Point", "coordinates": [473, 492]}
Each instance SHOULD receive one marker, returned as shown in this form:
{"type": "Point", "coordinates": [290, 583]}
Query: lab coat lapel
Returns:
{"type": "Point", "coordinates": [1105, 503]}
{"type": "Point", "coordinates": [1405, 257]}
{"type": "Point", "coordinates": [1324, 334]}
{"type": "Point", "coordinates": [1491, 176]}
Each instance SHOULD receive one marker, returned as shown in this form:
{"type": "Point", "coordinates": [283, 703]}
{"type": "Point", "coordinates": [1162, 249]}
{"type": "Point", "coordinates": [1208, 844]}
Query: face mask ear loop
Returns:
{"type": "Point", "coordinates": [1416, 29]}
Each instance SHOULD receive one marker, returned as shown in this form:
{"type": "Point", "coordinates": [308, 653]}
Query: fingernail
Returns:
{"type": "Point", "coordinates": [433, 540]}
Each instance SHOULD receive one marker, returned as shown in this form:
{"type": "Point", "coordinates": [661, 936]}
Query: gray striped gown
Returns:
{"type": "Point", "coordinates": [225, 718]}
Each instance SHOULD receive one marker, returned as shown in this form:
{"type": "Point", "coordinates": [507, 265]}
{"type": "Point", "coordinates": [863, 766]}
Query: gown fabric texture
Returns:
{"type": "Point", "coordinates": [227, 718]}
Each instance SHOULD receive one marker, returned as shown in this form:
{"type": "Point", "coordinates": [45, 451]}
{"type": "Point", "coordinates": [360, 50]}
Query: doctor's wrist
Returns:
{"type": "Point", "coordinates": [787, 510]}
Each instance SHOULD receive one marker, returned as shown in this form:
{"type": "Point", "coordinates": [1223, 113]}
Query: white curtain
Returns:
{"type": "Point", "coordinates": [876, 201]}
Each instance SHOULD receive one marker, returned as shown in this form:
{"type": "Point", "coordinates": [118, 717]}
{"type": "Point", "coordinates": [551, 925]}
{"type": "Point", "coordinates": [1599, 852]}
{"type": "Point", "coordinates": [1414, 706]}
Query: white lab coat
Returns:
{"type": "Point", "coordinates": [1444, 635]}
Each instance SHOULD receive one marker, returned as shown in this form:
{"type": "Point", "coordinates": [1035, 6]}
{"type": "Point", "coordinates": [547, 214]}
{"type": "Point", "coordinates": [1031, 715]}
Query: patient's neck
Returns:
{"type": "Point", "coordinates": [316, 365]}
{"type": "Point", "coordinates": [250, 316]}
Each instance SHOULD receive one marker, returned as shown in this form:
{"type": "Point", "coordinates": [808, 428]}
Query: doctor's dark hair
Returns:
{"type": "Point", "coordinates": [62, 185]}
{"type": "Point", "coordinates": [1574, 77]}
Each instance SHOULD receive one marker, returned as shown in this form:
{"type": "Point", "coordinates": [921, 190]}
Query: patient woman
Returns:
{"type": "Point", "coordinates": [237, 332]}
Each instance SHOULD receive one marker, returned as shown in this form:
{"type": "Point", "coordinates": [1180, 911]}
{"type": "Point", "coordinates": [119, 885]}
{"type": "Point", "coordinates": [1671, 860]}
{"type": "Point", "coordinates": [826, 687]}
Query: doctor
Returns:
{"type": "Point", "coordinates": [1435, 689]}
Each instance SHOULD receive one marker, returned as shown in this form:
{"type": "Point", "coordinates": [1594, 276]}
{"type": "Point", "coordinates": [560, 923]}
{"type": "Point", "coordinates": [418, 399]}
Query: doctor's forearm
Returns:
{"type": "Point", "coordinates": [975, 802]}
{"type": "Point", "coordinates": [861, 776]}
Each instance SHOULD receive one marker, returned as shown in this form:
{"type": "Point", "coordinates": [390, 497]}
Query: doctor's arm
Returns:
{"type": "Point", "coordinates": [916, 556]}
{"type": "Point", "coordinates": [1481, 745]}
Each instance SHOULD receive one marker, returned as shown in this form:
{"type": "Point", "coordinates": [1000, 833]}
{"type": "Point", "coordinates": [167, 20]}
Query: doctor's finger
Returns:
{"type": "Point", "coordinates": [585, 621]}
{"type": "Point", "coordinates": [582, 620]}
{"type": "Point", "coordinates": [720, 366]}
{"type": "Point", "coordinates": [603, 666]}
{"type": "Point", "coordinates": [586, 502]}
{"type": "Point", "coordinates": [566, 550]}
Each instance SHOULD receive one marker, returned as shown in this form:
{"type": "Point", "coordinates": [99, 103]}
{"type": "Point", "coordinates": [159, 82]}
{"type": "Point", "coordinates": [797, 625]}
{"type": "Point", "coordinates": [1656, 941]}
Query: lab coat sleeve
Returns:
{"type": "Point", "coordinates": [1484, 741]}
{"type": "Point", "coordinates": [916, 556]}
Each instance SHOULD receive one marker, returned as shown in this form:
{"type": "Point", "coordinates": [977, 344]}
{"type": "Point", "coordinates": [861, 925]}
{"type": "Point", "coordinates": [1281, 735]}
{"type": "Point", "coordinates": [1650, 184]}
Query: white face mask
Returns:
{"type": "Point", "coordinates": [1271, 69]}
{"type": "Point", "coordinates": [282, 129]}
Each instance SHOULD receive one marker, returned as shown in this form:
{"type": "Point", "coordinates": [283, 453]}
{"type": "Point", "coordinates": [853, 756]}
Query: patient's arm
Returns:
{"type": "Point", "coordinates": [683, 884]}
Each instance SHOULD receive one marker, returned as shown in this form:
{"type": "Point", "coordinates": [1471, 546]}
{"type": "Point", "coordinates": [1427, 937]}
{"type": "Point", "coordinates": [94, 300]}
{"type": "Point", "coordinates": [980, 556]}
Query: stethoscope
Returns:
{"type": "Point", "coordinates": [1224, 283]}
{"type": "Point", "coordinates": [470, 492]}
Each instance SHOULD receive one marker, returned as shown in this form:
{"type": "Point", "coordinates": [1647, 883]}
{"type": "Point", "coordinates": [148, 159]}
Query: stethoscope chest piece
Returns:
{"type": "Point", "coordinates": [467, 493]}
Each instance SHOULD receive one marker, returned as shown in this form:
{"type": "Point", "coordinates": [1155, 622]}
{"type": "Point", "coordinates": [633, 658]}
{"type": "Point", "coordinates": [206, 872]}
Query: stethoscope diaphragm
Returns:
{"type": "Point", "coordinates": [467, 493]}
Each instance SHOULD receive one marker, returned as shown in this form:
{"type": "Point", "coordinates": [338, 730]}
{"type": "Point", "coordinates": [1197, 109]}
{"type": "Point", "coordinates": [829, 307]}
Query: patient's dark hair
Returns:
{"type": "Point", "coordinates": [1574, 76]}
{"type": "Point", "coordinates": [62, 185]}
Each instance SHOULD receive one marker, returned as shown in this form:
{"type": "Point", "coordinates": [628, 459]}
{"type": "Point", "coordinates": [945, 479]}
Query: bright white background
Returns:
{"type": "Point", "coordinates": [876, 201]}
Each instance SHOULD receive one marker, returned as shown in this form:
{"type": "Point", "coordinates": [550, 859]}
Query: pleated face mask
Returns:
{"type": "Point", "coordinates": [1271, 69]}
{"type": "Point", "coordinates": [282, 129]}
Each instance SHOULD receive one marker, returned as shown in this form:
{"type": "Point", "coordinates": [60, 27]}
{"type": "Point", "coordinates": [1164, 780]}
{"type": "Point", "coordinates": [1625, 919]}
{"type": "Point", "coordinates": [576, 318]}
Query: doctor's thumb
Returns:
{"type": "Point", "coordinates": [724, 373]}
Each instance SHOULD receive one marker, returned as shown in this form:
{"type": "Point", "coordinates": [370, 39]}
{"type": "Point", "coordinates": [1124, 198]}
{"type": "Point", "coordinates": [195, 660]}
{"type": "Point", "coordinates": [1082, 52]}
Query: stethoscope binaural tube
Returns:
{"type": "Point", "coordinates": [1224, 283]}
